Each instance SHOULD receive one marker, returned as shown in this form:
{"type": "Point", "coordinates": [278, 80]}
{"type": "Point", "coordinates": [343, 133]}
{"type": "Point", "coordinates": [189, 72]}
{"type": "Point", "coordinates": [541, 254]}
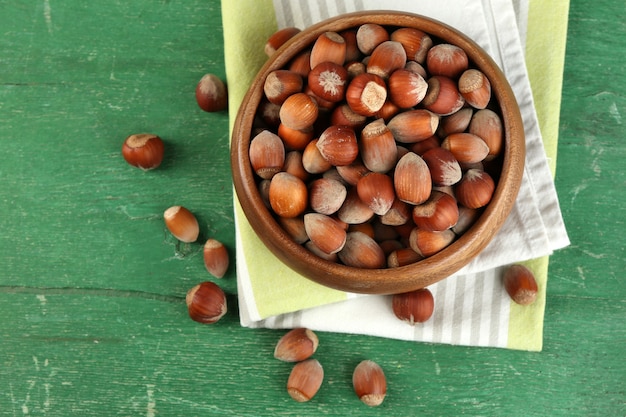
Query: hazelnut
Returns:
{"type": "Point", "coordinates": [299, 111]}
{"type": "Point", "coordinates": [295, 139]}
{"type": "Point", "coordinates": [467, 217]}
{"type": "Point", "coordinates": [326, 195]}
{"type": "Point", "coordinates": [369, 36]}
{"type": "Point", "coordinates": [366, 94]}
{"type": "Point", "coordinates": [444, 168]}
{"type": "Point", "coordinates": [328, 81]}
{"type": "Point", "coordinates": [352, 49]}
{"type": "Point", "coordinates": [279, 38]}
{"type": "Point", "coordinates": [378, 147]}
{"type": "Point", "coordinates": [386, 58]}
{"type": "Point", "coordinates": [296, 345]}
{"type": "Point", "coordinates": [338, 145]}
{"type": "Point", "coordinates": [412, 180]}
{"type": "Point", "coordinates": [369, 382]}
{"type": "Point", "coordinates": [211, 93]}
{"type": "Point", "coordinates": [143, 150]}
{"type": "Point", "coordinates": [475, 88]}
{"type": "Point", "coordinates": [312, 159]}
{"type": "Point", "coordinates": [377, 191]}
{"type": "Point", "coordinates": [415, 42]}
{"type": "Point", "coordinates": [427, 243]}
{"type": "Point", "coordinates": [406, 88]}
{"type": "Point", "coordinates": [443, 96]}
{"type": "Point", "coordinates": [294, 226]}
{"type": "Point", "coordinates": [398, 214]}
{"type": "Point", "coordinates": [475, 189]}
{"type": "Point", "coordinates": [343, 115]}
{"type": "Point", "coordinates": [301, 63]}
{"type": "Point", "coordinates": [402, 256]}
{"type": "Point", "coordinates": [440, 212]}
{"type": "Point", "coordinates": [520, 284]}
{"type": "Point", "coordinates": [353, 210]}
{"type": "Point", "coordinates": [487, 125]}
{"type": "Point", "coordinates": [351, 174]}
{"type": "Point", "coordinates": [466, 147]}
{"type": "Point", "coordinates": [361, 251]}
{"type": "Point", "coordinates": [329, 47]}
{"type": "Point", "coordinates": [447, 60]}
{"type": "Point", "coordinates": [456, 122]}
{"type": "Point", "coordinates": [288, 195]}
{"type": "Point", "coordinates": [206, 303]}
{"type": "Point", "coordinates": [294, 165]}
{"type": "Point", "coordinates": [414, 306]}
{"type": "Point", "coordinates": [267, 154]}
{"type": "Point", "coordinates": [280, 84]}
{"type": "Point", "coordinates": [413, 125]}
{"type": "Point", "coordinates": [216, 259]}
{"type": "Point", "coordinates": [325, 232]}
{"type": "Point", "coordinates": [182, 224]}
{"type": "Point", "coordinates": [305, 380]}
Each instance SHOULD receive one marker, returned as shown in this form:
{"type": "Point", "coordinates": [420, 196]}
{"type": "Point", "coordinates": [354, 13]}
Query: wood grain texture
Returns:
{"type": "Point", "coordinates": [92, 289]}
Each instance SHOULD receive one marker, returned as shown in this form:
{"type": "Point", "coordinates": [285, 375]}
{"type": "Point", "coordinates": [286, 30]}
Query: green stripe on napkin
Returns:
{"type": "Point", "coordinates": [545, 56]}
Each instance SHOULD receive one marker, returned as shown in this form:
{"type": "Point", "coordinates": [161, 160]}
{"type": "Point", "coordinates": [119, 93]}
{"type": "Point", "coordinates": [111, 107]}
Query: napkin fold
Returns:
{"type": "Point", "coordinates": [471, 306]}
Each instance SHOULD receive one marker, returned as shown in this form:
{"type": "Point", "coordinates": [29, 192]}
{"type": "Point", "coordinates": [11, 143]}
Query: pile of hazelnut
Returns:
{"type": "Point", "coordinates": [377, 146]}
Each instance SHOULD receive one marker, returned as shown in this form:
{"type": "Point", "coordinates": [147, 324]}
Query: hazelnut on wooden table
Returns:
{"type": "Point", "coordinates": [370, 383]}
{"type": "Point", "coordinates": [182, 224]}
{"type": "Point", "coordinates": [143, 150]}
{"type": "Point", "coordinates": [305, 380]}
{"type": "Point", "coordinates": [296, 345]}
{"type": "Point", "coordinates": [206, 303]}
{"type": "Point", "coordinates": [211, 93]}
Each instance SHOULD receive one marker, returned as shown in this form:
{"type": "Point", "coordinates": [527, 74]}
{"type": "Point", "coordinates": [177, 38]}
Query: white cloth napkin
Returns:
{"type": "Point", "coordinates": [471, 306]}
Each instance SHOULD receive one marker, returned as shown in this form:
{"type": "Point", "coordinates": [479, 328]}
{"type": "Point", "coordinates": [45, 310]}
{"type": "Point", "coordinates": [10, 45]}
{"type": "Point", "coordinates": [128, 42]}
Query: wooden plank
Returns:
{"type": "Point", "coordinates": [92, 292]}
{"type": "Point", "coordinates": [115, 353]}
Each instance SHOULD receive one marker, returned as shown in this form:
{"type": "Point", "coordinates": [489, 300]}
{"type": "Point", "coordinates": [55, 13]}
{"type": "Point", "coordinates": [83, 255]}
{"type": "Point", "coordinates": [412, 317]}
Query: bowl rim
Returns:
{"type": "Point", "coordinates": [387, 280]}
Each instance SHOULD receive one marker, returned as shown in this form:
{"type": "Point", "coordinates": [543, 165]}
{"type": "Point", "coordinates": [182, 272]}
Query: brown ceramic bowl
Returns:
{"type": "Point", "coordinates": [389, 280]}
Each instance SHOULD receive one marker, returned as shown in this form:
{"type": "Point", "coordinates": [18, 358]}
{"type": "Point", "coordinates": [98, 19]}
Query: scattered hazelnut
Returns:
{"type": "Point", "coordinates": [182, 224]}
{"type": "Point", "coordinates": [520, 284]}
{"type": "Point", "coordinates": [216, 258]}
{"type": "Point", "coordinates": [211, 93]}
{"type": "Point", "coordinates": [296, 345]}
{"type": "Point", "coordinates": [143, 150]}
{"type": "Point", "coordinates": [369, 382]}
{"type": "Point", "coordinates": [206, 303]}
{"type": "Point", "coordinates": [305, 380]}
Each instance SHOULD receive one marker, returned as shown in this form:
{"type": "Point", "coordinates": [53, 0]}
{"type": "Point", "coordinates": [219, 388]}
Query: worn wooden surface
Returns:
{"type": "Point", "coordinates": [93, 321]}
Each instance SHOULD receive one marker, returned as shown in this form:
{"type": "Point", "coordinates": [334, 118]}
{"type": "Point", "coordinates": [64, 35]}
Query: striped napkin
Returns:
{"type": "Point", "coordinates": [471, 306]}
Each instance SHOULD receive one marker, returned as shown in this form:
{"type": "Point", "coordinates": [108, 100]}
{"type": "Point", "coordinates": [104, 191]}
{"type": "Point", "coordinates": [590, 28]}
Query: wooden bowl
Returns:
{"type": "Point", "coordinates": [389, 280]}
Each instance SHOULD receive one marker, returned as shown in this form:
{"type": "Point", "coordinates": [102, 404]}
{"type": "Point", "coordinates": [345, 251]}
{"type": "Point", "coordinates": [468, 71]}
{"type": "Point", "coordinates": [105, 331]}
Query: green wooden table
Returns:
{"type": "Point", "coordinates": [93, 320]}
